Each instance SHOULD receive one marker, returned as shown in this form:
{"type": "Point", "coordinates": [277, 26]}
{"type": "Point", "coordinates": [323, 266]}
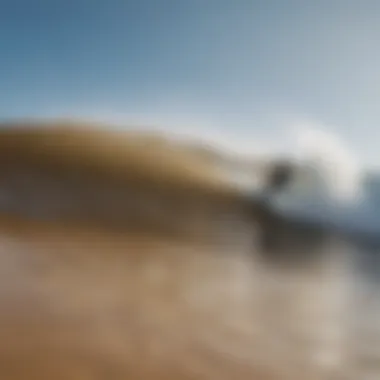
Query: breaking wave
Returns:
{"type": "Point", "coordinates": [331, 186]}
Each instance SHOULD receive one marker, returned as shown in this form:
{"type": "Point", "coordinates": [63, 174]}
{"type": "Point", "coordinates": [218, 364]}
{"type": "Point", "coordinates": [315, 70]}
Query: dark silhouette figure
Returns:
{"type": "Point", "coordinates": [280, 177]}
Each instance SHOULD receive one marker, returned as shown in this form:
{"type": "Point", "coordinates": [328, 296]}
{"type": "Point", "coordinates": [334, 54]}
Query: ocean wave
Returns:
{"type": "Point", "coordinates": [328, 186]}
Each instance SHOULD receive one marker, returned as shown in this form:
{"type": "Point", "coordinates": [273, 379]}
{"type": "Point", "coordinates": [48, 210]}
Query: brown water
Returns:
{"type": "Point", "coordinates": [95, 304]}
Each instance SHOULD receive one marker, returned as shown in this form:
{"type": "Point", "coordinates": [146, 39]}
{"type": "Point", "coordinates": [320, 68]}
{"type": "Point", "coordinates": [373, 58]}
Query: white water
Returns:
{"type": "Point", "coordinates": [333, 160]}
{"type": "Point", "coordinates": [332, 186]}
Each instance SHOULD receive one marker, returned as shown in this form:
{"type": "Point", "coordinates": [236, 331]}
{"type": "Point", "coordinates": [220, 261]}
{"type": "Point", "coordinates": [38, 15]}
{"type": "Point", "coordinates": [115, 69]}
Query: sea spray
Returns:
{"type": "Point", "coordinates": [331, 187]}
{"type": "Point", "coordinates": [330, 160]}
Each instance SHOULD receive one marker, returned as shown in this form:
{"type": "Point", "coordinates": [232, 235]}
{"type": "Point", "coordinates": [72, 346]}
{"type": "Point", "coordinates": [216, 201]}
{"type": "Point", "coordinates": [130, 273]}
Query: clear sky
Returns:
{"type": "Point", "coordinates": [246, 67]}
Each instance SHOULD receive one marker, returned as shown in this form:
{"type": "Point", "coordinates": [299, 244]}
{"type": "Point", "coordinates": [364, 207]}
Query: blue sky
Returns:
{"type": "Point", "coordinates": [244, 67]}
